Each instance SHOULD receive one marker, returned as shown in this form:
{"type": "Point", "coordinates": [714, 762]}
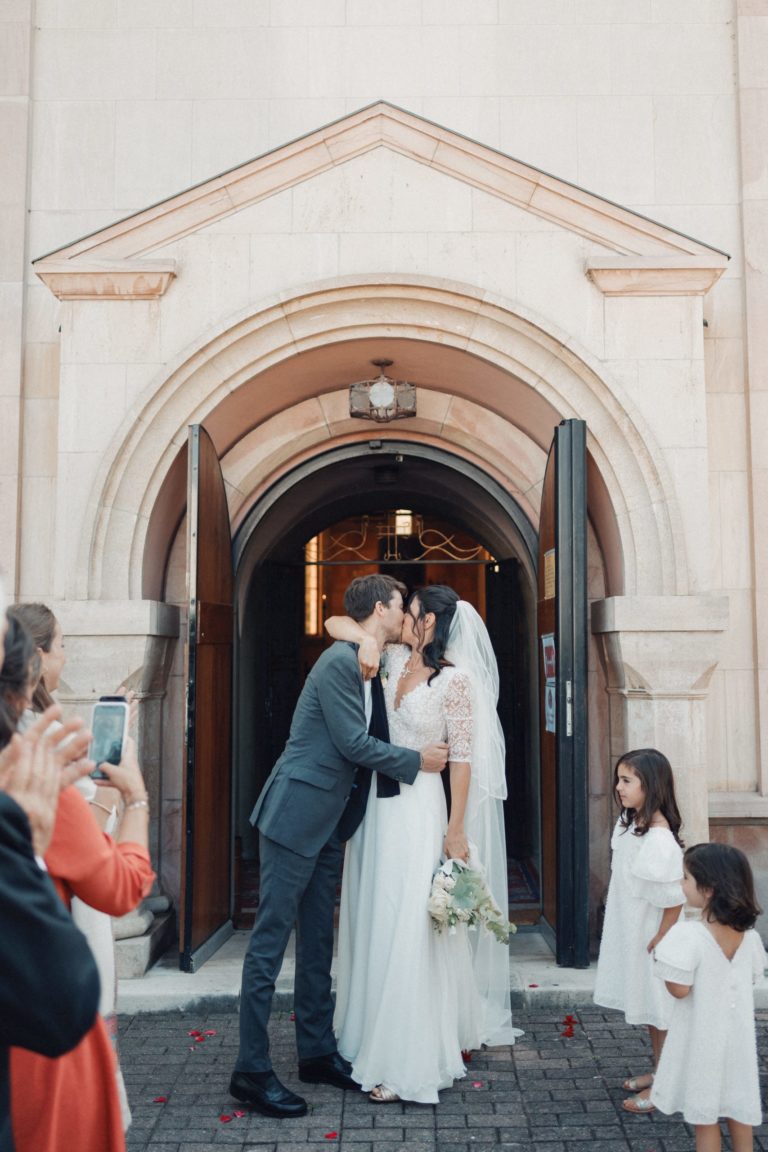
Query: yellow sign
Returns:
{"type": "Point", "coordinates": [549, 574]}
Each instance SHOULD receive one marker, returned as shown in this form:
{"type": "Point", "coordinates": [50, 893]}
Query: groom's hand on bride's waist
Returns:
{"type": "Point", "coordinates": [433, 757]}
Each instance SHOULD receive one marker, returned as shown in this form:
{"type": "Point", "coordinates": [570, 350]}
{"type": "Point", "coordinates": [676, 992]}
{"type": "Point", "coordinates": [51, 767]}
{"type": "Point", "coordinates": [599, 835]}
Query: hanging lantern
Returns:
{"type": "Point", "coordinates": [382, 399]}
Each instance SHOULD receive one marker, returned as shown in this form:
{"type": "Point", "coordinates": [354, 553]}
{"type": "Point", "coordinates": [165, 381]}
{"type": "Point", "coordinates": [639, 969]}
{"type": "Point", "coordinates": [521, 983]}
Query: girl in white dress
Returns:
{"type": "Point", "coordinates": [645, 898]}
{"type": "Point", "coordinates": [708, 1068]}
{"type": "Point", "coordinates": [408, 999]}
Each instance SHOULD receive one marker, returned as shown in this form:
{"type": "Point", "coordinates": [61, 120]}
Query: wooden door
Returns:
{"type": "Point", "coordinates": [562, 635]}
{"type": "Point", "coordinates": [206, 849]}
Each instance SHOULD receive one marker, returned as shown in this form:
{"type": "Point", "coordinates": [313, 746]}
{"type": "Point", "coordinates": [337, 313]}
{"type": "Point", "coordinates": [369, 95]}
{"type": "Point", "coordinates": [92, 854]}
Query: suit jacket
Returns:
{"type": "Point", "coordinates": [49, 990]}
{"type": "Point", "coordinates": [307, 789]}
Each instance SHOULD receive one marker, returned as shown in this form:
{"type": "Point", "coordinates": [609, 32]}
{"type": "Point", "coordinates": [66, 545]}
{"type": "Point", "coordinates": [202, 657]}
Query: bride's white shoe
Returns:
{"type": "Point", "coordinates": [383, 1095]}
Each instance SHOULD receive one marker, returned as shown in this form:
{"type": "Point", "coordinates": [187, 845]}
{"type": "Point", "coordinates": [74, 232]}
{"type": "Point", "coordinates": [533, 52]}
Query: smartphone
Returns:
{"type": "Point", "coordinates": [109, 726]}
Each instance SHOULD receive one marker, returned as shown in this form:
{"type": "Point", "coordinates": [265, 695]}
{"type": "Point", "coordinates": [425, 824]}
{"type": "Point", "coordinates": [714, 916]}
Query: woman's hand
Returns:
{"type": "Point", "coordinates": [456, 845]}
{"type": "Point", "coordinates": [31, 778]}
{"type": "Point", "coordinates": [126, 776]}
{"type": "Point", "coordinates": [131, 701]}
{"type": "Point", "coordinates": [368, 657]}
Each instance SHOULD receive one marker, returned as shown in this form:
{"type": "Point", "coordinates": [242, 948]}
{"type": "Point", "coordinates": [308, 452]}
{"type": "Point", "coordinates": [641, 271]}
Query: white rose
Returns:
{"type": "Point", "coordinates": [437, 905]}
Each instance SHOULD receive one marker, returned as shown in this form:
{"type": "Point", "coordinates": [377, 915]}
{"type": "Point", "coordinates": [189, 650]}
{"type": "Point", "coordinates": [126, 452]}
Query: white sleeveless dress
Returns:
{"type": "Point", "coordinates": [406, 999]}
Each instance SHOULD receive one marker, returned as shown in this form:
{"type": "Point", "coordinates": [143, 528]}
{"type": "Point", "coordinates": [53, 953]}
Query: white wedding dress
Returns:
{"type": "Point", "coordinates": [407, 1002]}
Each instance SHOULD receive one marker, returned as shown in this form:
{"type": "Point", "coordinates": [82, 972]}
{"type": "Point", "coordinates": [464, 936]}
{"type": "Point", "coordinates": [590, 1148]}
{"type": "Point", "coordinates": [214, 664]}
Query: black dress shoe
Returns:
{"type": "Point", "coordinates": [331, 1069]}
{"type": "Point", "coordinates": [267, 1095]}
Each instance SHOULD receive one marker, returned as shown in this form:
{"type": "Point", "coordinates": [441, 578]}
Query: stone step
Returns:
{"type": "Point", "coordinates": [136, 954]}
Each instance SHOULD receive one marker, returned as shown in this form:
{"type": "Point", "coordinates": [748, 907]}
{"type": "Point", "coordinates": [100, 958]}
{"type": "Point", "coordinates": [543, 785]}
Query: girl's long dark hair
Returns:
{"type": "Point", "coordinates": [41, 623]}
{"type": "Point", "coordinates": [441, 600]}
{"type": "Point", "coordinates": [726, 871]}
{"type": "Point", "coordinates": [14, 677]}
{"type": "Point", "coordinates": [655, 775]}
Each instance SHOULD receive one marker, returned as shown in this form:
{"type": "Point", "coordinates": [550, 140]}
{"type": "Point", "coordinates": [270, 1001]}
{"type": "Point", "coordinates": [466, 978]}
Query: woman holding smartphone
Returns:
{"type": "Point", "coordinates": [80, 1092]}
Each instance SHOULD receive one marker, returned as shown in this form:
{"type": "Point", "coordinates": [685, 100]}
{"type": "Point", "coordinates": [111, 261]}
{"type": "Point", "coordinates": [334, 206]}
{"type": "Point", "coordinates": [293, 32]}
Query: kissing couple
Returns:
{"type": "Point", "coordinates": [362, 765]}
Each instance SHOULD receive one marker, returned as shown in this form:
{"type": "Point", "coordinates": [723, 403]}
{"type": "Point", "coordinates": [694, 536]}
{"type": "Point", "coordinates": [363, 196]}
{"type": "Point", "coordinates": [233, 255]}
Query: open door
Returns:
{"type": "Point", "coordinates": [562, 632]}
{"type": "Point", "coordinates": [206, 849]}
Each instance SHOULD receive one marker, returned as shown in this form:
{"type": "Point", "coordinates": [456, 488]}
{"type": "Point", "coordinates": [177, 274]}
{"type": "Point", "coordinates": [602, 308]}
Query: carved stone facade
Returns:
{"type": "Point", "coordinates": [403, 227]}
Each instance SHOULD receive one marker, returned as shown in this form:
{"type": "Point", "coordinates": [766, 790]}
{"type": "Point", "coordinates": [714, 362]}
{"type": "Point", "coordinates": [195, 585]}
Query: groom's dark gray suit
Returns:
{"type": "Point", "coordinates": [300, 853]}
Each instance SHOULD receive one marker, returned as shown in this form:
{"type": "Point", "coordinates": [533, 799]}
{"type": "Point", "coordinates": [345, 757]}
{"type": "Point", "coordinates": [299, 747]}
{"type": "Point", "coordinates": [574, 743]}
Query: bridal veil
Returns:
{"type": "Point", "coordinates": [469, 648]}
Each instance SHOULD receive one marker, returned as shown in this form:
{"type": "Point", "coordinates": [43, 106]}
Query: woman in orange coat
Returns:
{"type": "Point", "coordinates": [74, 1097]}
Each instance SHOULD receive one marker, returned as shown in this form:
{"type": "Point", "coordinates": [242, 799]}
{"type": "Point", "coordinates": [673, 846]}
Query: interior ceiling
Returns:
{"type": "Point", "coordinates": [376, 481]}
{"type": "Point", "coordinates": [338, 364]}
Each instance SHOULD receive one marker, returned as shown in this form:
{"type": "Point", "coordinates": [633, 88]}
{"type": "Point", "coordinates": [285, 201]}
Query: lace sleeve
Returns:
{"type": "Point", "coordinates": [458, 717]}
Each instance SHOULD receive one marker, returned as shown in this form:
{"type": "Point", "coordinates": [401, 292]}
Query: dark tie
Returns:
{"type": "Point", "coordinates": [354, 811]}
{"type": "Point", "coordinates": [379, 727]}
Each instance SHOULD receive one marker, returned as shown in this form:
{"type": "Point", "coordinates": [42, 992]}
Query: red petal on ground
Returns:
{"type": "Point", "coordinates": [160, 1100]}
{"type": "Point", "coordinates": [210, 1032]}
{"type": "Point", "coordinates": [569, 1020]}
{"type": "Point", "coordinates": [331, 1135]}
{"type": "Point", "coordinates": [238, 1113]}
{"type": "Point", "coordinates": [194, 1032]}
{"type": "Point", "coordinates": [466, 1056]}
{"type": "Point", "coordinates": [199, 1039]}
{"type": "Point", "coordinates": [292, 1016]}
{"type": "Point", "coordinates": [225, 1119]}
{"type": "Point", "coordinates": [477, 1084]}
{"type": "Point", "coordinates": [533, 985]}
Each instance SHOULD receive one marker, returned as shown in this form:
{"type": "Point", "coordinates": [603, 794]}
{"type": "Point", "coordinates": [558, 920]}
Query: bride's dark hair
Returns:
{"type": "Point", "coordinates": [441, 600]}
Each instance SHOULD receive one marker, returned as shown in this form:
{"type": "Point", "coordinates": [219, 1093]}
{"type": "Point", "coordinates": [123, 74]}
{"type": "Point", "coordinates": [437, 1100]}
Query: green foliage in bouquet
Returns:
{"type": "Point", "coordinates": [460, 896]}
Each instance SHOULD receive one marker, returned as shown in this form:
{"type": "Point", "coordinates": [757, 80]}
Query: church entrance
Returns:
{"type": "Point", "coordinates": [426, 517]}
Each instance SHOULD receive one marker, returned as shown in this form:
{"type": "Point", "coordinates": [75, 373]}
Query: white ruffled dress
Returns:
{"type": "Point", "coordinates": [646, 878]}
{"type": "Point", "coordinates": [708, 1067]}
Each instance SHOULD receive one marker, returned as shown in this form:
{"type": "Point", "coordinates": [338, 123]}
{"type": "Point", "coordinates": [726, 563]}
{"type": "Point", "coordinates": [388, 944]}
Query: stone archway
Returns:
{"type": "Point", "coordinates": [270, 387]}
{"type": "Point", "coordinates": [528, 376]}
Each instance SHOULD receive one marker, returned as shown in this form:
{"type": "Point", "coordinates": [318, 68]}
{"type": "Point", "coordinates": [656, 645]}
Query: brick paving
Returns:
{"type": "Point", "coordinates": [551, 1093]}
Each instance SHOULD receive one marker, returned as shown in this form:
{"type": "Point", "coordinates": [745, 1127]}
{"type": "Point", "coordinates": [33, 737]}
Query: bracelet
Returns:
{"type": "Point", "coordinates": [138, 804]}
{"type": "Point", "coordinates": [103, 807]}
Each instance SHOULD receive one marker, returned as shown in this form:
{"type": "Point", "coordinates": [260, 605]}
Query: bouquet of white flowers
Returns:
{"type": "Point", "coordinates": [460, 896]}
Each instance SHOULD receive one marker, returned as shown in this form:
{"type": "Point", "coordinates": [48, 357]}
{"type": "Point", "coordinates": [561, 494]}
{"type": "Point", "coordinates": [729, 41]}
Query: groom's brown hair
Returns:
{"type": "Point", "coordinates": [365, 592]}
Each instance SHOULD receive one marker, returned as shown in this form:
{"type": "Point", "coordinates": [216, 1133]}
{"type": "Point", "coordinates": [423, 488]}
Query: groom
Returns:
{"type": "Point", "coordinates": [300, 853]}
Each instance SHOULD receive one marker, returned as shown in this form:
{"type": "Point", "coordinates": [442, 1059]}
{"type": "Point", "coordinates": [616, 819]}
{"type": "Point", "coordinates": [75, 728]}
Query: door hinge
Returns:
{"type": "Point", "coordinates": [569, 708]}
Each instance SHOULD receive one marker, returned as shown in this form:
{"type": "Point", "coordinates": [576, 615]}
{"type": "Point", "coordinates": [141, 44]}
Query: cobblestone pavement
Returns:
{"type": "Point", "coordinates": [553, 1092]}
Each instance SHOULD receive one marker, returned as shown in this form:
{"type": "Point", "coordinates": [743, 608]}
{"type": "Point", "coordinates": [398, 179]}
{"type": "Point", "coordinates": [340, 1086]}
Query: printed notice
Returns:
{"type": "Point", "coordinates": [548, 652]}
{"type": "Point", "coordinates": [550, 705]}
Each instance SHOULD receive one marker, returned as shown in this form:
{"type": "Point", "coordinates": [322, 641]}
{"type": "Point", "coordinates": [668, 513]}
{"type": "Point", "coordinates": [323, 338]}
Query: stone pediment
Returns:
{"type": "Point", "coordinates": [650, 259]}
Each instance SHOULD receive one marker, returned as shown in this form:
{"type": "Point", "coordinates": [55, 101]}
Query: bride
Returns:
{"type": "Point", "coordinates": [408, 999]}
